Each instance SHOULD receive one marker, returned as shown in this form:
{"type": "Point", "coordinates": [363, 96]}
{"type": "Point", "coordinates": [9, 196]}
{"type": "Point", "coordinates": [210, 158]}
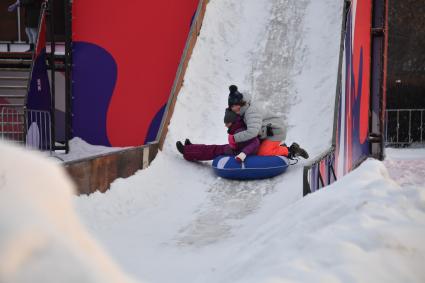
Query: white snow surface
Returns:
{"type": "Point", "coordinates": [177, 222]}
{"type": "Point", "coordinates": [80, 149]}
{"type": "Point", "coordinates": [41, 236]}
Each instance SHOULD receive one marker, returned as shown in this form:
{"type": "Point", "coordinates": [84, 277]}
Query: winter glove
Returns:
{"type": "Point", "coordinates": [13, 7]}
{"type": "Point", "coordinates": [232, 142]}
{"type": "Point", "coordinates": [240, 157]}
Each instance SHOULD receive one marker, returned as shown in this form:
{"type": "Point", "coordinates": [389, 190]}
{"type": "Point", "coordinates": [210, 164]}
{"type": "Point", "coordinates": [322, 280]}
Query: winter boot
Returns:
{"type": "Point", "coordinates": [295, 150]}
{"type": "Point", "coordinates": [187, 142]}
{"type": "Point", "coordinates": [180, 147]}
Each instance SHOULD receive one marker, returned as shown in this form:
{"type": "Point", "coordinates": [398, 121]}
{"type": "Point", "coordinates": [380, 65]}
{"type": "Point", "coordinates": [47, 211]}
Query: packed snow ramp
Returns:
{"type": "Point", "coordinates": [284, 54]}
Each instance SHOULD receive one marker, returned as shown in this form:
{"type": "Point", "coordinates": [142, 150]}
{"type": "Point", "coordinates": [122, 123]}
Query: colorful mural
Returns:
{"type": "Point", "coordinates": [351, 144]}
{"type": "Point", "coordinates": [125, 59]}
{"type": "Point", "coordinates": [353, 124]}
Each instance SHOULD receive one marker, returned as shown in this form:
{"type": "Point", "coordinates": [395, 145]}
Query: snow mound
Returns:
{"type": "Point", "coordinates": [41, 238]}
{"type": "Point", "coordinates": [79, 149]}
{"type": "Point", "coordinates": [363, 228]}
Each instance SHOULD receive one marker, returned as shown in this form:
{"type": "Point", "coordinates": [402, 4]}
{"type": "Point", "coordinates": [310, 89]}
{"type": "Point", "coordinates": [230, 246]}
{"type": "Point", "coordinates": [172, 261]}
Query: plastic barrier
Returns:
{"type": "Point", "coordinates": [254, 167]}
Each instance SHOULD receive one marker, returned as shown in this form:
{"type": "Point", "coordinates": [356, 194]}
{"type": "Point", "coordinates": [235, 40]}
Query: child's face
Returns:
{"type": "Point", "coordinates": [236, 109]}
{"type": "Point", "coordinates": [228, 125]}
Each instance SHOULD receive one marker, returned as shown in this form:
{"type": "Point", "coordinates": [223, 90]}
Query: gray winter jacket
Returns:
{"type": "Point", "coordinates": [256, 122]}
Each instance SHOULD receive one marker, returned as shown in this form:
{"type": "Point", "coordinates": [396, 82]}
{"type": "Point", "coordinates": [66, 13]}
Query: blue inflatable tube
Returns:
{"type": "Point", "coordinates": [254, 167]}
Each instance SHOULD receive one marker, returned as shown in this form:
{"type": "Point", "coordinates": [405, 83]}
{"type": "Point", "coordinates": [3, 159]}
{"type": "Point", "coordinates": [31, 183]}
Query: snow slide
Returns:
{"type": "Point", "coordinates": [177, 214]}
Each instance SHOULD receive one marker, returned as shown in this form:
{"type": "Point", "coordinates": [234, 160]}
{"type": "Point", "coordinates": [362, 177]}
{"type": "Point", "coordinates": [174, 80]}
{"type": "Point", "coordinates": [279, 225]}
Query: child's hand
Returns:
{"type": "Point", "coordinates": [232, 141]}
{"type": "Point", "coordinates": [240, 157]}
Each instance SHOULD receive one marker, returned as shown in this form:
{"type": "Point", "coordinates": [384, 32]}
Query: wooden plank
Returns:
{"type": "Point", "coordinates": [80, 175]}
{"type": "Point", "coordinates": [98, 172]}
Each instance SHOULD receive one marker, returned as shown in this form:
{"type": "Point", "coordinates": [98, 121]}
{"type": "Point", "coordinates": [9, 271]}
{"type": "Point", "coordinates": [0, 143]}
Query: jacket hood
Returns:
{"type": "Point", "coordinates": [247, 99]}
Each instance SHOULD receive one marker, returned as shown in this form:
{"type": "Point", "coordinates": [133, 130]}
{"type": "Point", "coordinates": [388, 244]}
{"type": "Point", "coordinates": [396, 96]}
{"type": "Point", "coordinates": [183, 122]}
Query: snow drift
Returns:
{"type": "Point", "coordinates": [41, 238]}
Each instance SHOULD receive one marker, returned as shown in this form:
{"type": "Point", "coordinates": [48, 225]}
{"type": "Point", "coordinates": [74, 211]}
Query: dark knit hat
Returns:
{"type": "Point", "coordinates": [235, 97]}
{"type": "Point", "coordinates": [230, 116]}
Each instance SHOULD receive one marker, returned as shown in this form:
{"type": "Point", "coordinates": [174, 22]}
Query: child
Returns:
{"type": "Point", "coordinates": [202, 152]}
{"type": "Point", "coordinates": [265, 125]}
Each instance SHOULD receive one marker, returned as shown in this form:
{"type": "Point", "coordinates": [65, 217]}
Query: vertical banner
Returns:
{"type": "Point", "coordinates": [39, 96]}
{"type": "Point", "coordinates": [125, 61]}
{"type": "Point", "coordinates": [353, 107]}
{"type": "Point", "coordinates": [352, 144]}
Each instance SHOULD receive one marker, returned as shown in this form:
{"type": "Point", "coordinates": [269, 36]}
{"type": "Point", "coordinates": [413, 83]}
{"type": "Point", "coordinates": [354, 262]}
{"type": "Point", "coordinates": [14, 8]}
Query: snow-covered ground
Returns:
{"type": "Point", "coordinates": [41, 236]}
{"type": "Point", "coordinates": [177, 222]}
{"type": "Point", "coordinates": [79, 149]}
{"type": "Point", "coordinates": [367, 227]}
{"type": "Point", "coordinates": [406, 166]}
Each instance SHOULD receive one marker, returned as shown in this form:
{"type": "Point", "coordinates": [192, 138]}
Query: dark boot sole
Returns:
{"type": "Point", "coordinates": [180, 147]}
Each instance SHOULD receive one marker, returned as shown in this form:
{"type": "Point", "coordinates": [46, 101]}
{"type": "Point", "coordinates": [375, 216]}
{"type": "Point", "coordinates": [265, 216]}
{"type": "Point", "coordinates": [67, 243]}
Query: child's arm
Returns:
{"type": "Point", "coordinates": [253, 126]}
{"type": "Point", "coordinates": [250, 148]}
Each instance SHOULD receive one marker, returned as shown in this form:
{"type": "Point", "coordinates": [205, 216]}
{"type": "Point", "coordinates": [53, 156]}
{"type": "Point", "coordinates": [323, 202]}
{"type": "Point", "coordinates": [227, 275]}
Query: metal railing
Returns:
{"type": "Point", "coordinates": [39, 130]}
{"type": "Point", "coordinates": [12, 124]}
{"type": "Point", "coordinates": [404, 127]}
{"type": "Point", "coordinates": [320, 172]}
{"type": "Point", "coordinates": [32, 127]}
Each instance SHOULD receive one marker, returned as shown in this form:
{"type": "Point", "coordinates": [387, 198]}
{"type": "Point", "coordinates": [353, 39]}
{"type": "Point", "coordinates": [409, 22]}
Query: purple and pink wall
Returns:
{"type": "Point", "coordinates": [125, 57]}
{"type": "Point", "coordinates": [352, 143]}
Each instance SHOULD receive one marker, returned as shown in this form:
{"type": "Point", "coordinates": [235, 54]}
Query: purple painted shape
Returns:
{"type": "Point", "coordinates": [94, 75]}
{"type": "Point", "coordinates": [154, 126]}
{"type": "Point", "coordinates": [360, 150]}
{"type": "Point", "coordinates": [39, 97]}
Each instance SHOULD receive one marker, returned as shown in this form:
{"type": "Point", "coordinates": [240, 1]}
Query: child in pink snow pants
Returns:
{"type": "Point", "coordinates": [203, 152]}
